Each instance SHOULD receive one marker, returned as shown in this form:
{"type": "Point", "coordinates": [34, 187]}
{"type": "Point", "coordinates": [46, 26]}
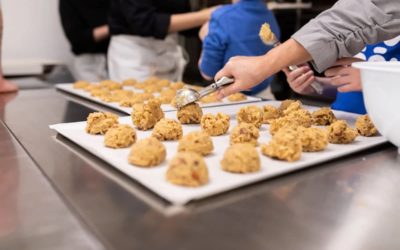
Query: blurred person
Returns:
{"type": "Point", "coordinates": [85, 24]}
{"type": "Point", "coordinates": [5, 85]}
{"type": "Point", "coordinates": [144, 39]}
{"type": "Point", "coordinates": [234, 31]}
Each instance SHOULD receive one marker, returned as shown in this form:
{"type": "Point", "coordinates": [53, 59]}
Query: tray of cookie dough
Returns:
{"type": "Point", "coordinates": [122, 96]}
{"type": "Point", "coordinates": [230, 148]}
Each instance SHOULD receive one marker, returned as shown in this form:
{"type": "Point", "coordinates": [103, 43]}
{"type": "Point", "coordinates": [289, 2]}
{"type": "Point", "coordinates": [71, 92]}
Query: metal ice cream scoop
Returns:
{"type": "Point", "coordinates": [273, 41]}
{"type": "Point", "coordinates": [187, 96]}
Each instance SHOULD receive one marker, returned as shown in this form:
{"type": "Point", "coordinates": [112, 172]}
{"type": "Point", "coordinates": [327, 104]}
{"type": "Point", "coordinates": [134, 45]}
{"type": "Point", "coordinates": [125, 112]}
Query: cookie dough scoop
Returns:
{"type": "Point", "coordinates": [268, 38]}
{"type": "Point", "coordinates": [187, 96]}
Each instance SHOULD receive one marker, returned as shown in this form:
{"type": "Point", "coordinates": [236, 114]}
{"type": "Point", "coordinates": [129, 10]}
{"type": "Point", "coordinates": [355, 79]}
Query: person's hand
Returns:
{"type": "Point", "coordinates": [247, 72]}
{"type": "Point", "coordinates": [300, 79]}
{"type": "Point", "coordinates": [344, 76]}
{"type": "Point", "coordinates": [7, 86]}
{"type": "Point", "coordinates": [204, 31]}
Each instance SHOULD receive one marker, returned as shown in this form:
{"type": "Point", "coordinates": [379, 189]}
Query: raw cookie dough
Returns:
{"type": "Point", "coordinates": [313, 139]}
{"type": "Point", "coordinates": [241, 158]}
{"type": "Point", "coordinates": [136, 98]}
{"type": "Point", "coordinates": [117, 95]}
{"type": "Point", "coordinates": [365, 127]}
{"type": "Point", "coordinates": [99, 122]}
{"type": "Point", "coordinates": [110, 85]}
{"type": "Point", "coordinates": [215, 125]}
{"type": "Point", "coordinates": [81, 85]}
{"type": "Point", "coordinates": [251, 114]}
{"type": "Point", "coordinates": [270, 113]}
{"type": "Point", "coordinates": [286, 103]}
{"type": "Point", "coordinates": [163, 83]}
{"type": "Point", "coordinates": [339, 132]}
{"type": "Point", "coordinates": [167, 95]}
{"type": "Point", "coordinates": [130, 82]}
{"type": "Point", "coordinates": [237, 97]}
{"type": "Point", "coordinates": [300, 118]}
{"type": "Point", "coordinates": [199, 142]}
{"type": "Point", "coordinates": [211, 98]}
{"type": "Point", "coordinates": [187, 169]}
{"type": "Point", "coordinates": [120, 136]}
{"type": "Point", "coordinates": [190, 114]}
{"type": "Point", "coordinates": [245, 133]}
{"type": "Point", "coordinates": [146, 115]}
{"type": "Point", "coordinates": [292, 108]}
{"type": "Point", "coordinates": [167, 130]}
{"type": "Point", "coordinates": [266, 34]}
{"type": "Point", "coordinates": [177, 85]}
{"type": "Point", "coordinates": [323, 117]}
{"type": "Point", "coordinates": [285, 145]}
{"type": "Point", "coordinates": [148, 152]}
{"type": "Point", "coordinates": [99, 92]}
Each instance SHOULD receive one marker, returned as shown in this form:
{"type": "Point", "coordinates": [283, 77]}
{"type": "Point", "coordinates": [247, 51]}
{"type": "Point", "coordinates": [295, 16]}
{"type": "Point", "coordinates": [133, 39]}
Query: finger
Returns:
{"type": "Point", "coordinates": [229, 90]}
{"type": "Point", "coordinates": [347, 61]}
{"type": "Point", "coordinates": [302, 88]}
{"type": "Point", "coordinates": [301, 79]}
{"type": "Point", "coordinates": [341, 80]}
{"type": "Point", "coordinates": [348, 88]}
{"type": "Point", "coordinates": [223, 72]}
{"type": "Point", "coordinates": [292, 76]}
{"type": "Point", "coordinates": [324, 80]}
{"type": "Point", "coordinates": [345, 70]}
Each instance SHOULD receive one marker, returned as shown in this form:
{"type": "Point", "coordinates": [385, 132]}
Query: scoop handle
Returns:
{"type": "Point", "coordinates": [215, 86]}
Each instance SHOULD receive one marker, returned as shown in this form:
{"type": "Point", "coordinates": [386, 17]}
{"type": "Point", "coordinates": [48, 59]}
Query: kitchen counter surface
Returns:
{"type": "Point", "coordinates": [55, 195]}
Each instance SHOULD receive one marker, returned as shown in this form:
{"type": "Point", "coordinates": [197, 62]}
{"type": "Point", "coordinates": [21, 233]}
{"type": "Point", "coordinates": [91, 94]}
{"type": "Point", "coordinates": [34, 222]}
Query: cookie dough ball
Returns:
{"type": "Point", "coordinates": [187, 169]}
{"type": "Point", "coordinates": [339, 132]}
{"type": "Point", "coordinates": [211, 98]}
{"type": "Point", "coordinates": [215, 125]}
{"type": "Point", "coordinates": [251, 114]}
{"type": "Point", "coordinates": [292, 108]}
{"type": "Point", "coordinates": [148, 152]}
{"type": "Point", "coordinates": [270, 113]}
{"type": "Point", "coordinates": [285, 145]}
{"type": "Point", "coordinates": [117, 95]}
{"type": "Point", "coordinates": [152, 88]}
{"type": "Point", "coordinates": [81, 85]}
{"type": "Point", "coordinates": [313, 139]}
{"type": "Point", "coordinates": [238, 97]}
{"type": "Point", "coordinates": [99, 92]}
{"type": "Point", "coordinates": [167, 95]}
{"type": "Point", "coordinates": [190, 114]}
{"type": "Point", "coordinates": [198, 142]}
{"type": "Point", "coordinates": [323, 117]}
{"type": "Point", "coordinates": [300, 118]}
{"type": "Point", "coordinates": [286, 103]}
{"type": "Point", "coordinates": [146, 115]}
{"type": "Point", "coordinates": [110, 85]}
{"type": "Point", "coordinates": [120, 136]}
{"type": "Point", "coordinates": [136, 98]}
{"type": "Point", "coordinates": [100, 123]}
{"type": "Point", "coordinates": [245, 133]}
{"type": "Point", "coordinates": [163, 83]}
{"type": "Point", "coordinates": [130, 82]}
{"type": "Point", "coordinates": [241, 158]}
{"type": "Point", "coordinates": [167, 130]}
{"type": "Point", "coordinates": [365, 127]}
{"type": "Point", "coordinates": [177, 85]}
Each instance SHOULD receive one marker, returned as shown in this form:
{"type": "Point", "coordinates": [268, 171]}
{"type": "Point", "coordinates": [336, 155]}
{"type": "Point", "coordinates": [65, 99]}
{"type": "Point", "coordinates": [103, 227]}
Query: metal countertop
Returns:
{"type": "Point", "coordinates": [56, 193]}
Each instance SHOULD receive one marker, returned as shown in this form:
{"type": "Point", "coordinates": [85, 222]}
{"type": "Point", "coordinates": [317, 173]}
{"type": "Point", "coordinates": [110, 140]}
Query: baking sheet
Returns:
{"type": "Point", "coordinates": [220, 181]}
{"type": "Point", "coordinates": [67, 87]}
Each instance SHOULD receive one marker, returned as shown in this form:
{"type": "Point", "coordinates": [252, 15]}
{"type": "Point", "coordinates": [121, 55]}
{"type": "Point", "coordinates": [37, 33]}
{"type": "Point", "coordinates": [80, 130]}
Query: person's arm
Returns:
{"type": "Point", "coordinates": [144, 19]}
{"type": "Point", "coordinates": [213, 53]}
{"type": "Point", "coordinates": [5, 86]}
{"type": "Point", "coordinates": [79, 35]}
{"type": "Point", "coordinates": [347, 27]}
{"type": "Point", "coordinates": [250, 71]}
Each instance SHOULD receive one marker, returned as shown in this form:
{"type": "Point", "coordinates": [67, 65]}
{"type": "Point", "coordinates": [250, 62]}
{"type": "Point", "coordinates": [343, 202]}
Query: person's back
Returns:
{"type": "Point", "coordinates": [233, 31]}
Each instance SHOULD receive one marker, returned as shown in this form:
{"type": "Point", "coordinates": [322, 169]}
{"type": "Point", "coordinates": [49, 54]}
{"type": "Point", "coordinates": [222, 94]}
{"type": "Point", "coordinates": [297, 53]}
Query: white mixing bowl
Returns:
{"type": "Point", "coordinates": [381, 87]}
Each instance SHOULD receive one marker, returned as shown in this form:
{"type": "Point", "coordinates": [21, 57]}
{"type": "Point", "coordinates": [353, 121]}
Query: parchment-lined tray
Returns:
{"type": "Point", "coordinates": [220, 181]}
{"type": "Point", "coordinates": [165, 107]}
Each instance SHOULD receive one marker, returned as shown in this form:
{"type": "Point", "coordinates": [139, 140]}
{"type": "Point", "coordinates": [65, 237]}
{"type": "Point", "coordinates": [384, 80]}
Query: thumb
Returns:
{"type": "Point", "coordinates": [223, 72]}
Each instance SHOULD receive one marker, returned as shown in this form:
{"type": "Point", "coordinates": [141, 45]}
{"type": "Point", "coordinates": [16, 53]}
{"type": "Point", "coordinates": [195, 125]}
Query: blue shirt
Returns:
{"type": "Point", "coordinates": [233, 31]}
{"type": "Point", "coordinates": [385, 51]}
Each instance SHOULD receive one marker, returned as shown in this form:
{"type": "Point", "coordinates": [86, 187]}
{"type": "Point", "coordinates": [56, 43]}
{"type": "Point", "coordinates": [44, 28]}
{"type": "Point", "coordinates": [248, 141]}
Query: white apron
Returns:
{"type": "Point", "coordinates": [90, 67]}
{"type": "Point", "coordinates": [141, 57]}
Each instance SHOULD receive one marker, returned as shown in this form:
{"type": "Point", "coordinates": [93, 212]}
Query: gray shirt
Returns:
{"type": "Point", "coordinates": [347, 27]}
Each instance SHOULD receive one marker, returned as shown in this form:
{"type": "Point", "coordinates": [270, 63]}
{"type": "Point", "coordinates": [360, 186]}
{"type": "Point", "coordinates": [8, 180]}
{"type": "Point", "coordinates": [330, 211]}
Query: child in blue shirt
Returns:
{"type": "Point", "coordinates": [349, 96]}
{"type": "Point", "coordinates": [233, 31]}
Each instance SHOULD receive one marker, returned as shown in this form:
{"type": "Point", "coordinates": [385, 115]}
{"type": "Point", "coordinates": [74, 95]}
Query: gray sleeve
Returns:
{"type": "Point", "coordinates": [347, 27]}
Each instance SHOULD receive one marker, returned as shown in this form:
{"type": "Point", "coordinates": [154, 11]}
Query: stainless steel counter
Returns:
{"type": "Point", "coordinates": [351, 203]}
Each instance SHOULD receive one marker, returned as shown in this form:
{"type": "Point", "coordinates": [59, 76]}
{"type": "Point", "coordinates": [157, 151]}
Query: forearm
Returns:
{"type": "Point", "coordinates": [181, 22]}
{"type": "Point", "coordinates": [289, 53]}
{"type": "Point", "coordinates": [346, 28]}
{"type": "Point", "coordinates": [101, 33]}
